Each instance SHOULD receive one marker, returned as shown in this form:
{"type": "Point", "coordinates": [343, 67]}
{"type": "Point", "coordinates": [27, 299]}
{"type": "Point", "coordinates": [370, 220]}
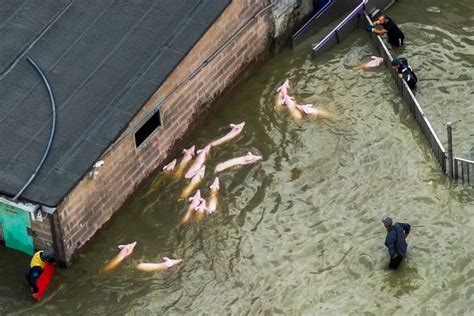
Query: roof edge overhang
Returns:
{"type": "Point", "coordinates": [31, 208]}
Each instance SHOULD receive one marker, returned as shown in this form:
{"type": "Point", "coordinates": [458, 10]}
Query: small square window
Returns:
{"type": "Point", "coordinates": [148, 128]}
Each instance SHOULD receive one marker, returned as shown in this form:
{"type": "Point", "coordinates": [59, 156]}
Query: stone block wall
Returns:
{"type": "Point", "coordinates": [93, 201]}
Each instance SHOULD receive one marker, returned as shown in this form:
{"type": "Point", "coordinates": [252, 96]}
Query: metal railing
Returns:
{"type": "Point", "coordinates": [422, 120]}
{"type": "Point", "coordinates": [298, 36]}
{"type": "Point", "coordinates": [456, 168]}
{"type": "Point", "coordinates": [350, 22]}
{"type": "Point", "coordinates": [463, 170]}
{"type": "Point", "coordinates": [330, 14]}
{"type": "Point", "coordinates": [460, 169]}
{"type": "Point", "coordinates": [323, 21]}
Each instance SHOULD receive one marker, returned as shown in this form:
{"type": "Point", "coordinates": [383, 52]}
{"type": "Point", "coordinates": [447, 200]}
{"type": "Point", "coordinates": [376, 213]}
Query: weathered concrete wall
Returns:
{"type": "Point", "coordinates": [287, 16]}
{"type": "Point", "coordinates": [93, 201]}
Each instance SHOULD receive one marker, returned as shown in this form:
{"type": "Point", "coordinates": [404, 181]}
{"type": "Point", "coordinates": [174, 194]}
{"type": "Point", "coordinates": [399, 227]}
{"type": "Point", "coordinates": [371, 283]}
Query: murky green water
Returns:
{"type": "Point", "coordinates": [300, 232]}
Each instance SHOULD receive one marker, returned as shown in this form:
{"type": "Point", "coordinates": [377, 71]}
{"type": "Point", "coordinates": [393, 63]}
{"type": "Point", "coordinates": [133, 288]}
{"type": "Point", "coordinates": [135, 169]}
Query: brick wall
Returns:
{"type": "Point", "coordinates": [42, 234]}
{"type": "Point", "coordinates": [93, 201]}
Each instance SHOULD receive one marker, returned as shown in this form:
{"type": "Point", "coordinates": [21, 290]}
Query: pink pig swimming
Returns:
{"type": "Point", "coordinates": [236, 129]}
{"type": "Point", "coordinates": [187, 157]}
{"type": "Point", "coordinates": [212, 205]}
{"type": "Point", "coordinates": [373, 63]}
{"type": "Point", "coordinates": [199, 162]}
{"type": "Point", "coordinates": [194, 202]}
{"type": "Point", "coordinates": [162, 266]}
{"type": "Point", "coordinates": [314, 111]}
{"type": "Point", "coordinates": [201, 209]}
{"type": "Point", "coordinates": [195, 181]}
{"type": "Point", "coordinates": [169, 167]}
{"type": "Point", "coordinates": [291, 104]}
{"type": "Point", "coordinates": [282, 92]}
{"type": "Point", "coordinates": [125, 251]}
{"type": "Point", "coordinates": [244, 160]}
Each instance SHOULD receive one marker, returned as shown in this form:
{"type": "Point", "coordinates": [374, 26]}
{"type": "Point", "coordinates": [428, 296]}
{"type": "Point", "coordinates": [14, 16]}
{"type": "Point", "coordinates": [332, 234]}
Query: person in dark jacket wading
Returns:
{"type": "Point", "coordinates": [395, 241]}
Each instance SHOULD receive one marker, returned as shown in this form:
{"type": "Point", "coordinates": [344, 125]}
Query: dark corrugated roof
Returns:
{"type": "Point", "coordinates": [103, 59]}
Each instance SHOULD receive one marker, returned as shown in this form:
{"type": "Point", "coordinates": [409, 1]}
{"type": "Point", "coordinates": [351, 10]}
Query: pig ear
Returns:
{"type": "Point", "coordinates": [121, 246]}
{"type": "Point", "coordinates": [197, 152]}
{"type": "Point", "coordinates": [249, 154]}
{"type": "Point", "coordinates": [166, 259]}
{"type": "Point", "coordinates": [232, 125]}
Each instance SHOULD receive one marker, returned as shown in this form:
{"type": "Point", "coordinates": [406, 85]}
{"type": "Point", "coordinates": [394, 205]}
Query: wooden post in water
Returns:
{"type": "Point", "coordinates": [450, 149]}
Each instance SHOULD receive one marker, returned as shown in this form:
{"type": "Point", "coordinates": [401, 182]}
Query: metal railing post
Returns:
{"type": "Point", "coordinates": [450, 149]}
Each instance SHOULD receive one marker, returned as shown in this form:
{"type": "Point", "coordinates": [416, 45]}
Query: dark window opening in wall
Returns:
{"type": "Point", "coordinates": [148, 128]}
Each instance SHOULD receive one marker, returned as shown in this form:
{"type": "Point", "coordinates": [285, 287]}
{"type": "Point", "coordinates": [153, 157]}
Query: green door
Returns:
{"type": "Point", "coordinates": [15, 224]}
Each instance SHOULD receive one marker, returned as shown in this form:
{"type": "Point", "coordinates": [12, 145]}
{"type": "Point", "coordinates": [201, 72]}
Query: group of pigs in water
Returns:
{"type": "Point", "coordinates": [197, 168]}
{"type": "Point", "coordinates": [197, 204]}
{"type": "Point", "coordinates": [196, 171]}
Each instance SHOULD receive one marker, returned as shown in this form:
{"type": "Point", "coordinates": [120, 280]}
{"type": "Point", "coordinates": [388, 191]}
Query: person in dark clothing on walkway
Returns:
{"type": "Point", "coordinates": [395, 35]}
{"type": "Point", "coordinates": [405, 72]}
{"type": "Point", "coordinates": [36, 267]}
{"type": "Point", "coordinates": [395, 241]}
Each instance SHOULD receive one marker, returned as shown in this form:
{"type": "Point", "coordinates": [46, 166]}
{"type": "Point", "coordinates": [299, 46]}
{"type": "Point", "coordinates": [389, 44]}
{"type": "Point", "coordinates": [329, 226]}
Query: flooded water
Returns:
{"type": "Point", "coordinates": [299, 233]}
{"type": "Point", "coordinates": [440, 46]}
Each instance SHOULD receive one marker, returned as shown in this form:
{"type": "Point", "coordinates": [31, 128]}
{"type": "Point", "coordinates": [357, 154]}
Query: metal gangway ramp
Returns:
{"type": "Point", "coordinates": [334, 21]}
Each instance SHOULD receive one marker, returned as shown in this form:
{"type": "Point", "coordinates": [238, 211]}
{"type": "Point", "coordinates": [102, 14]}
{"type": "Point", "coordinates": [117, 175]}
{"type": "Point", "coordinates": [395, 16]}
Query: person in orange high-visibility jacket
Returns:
{"type": "Point", "coordinates": [36, 267]}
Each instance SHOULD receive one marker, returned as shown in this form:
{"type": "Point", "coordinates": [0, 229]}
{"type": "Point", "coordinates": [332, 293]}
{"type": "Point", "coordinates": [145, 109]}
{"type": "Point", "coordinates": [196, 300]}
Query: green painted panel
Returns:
{"type": "Point", "coordinates": [15, 223]}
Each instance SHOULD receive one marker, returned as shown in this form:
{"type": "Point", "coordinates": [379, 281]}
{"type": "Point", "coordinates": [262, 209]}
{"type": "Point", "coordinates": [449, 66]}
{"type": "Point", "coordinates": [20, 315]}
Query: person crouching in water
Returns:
{"type": "Point", "coordinates": [405, 72]}
{"type": "Point", "coordinates": [395, 241]}
{"type": "Point", "coordinates": [37, 265]}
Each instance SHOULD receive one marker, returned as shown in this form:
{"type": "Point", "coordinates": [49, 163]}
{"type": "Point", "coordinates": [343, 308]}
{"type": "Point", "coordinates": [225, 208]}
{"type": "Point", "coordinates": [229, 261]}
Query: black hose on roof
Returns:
{"type": "Point", "coordinates": [53, 128]}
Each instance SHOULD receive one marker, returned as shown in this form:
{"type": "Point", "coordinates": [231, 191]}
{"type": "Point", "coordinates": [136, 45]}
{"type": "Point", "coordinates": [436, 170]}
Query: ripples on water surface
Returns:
{"type": "Point", "coordinates": [300, 232]}
{"type": "Point", "coordinates": [440, 46]}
